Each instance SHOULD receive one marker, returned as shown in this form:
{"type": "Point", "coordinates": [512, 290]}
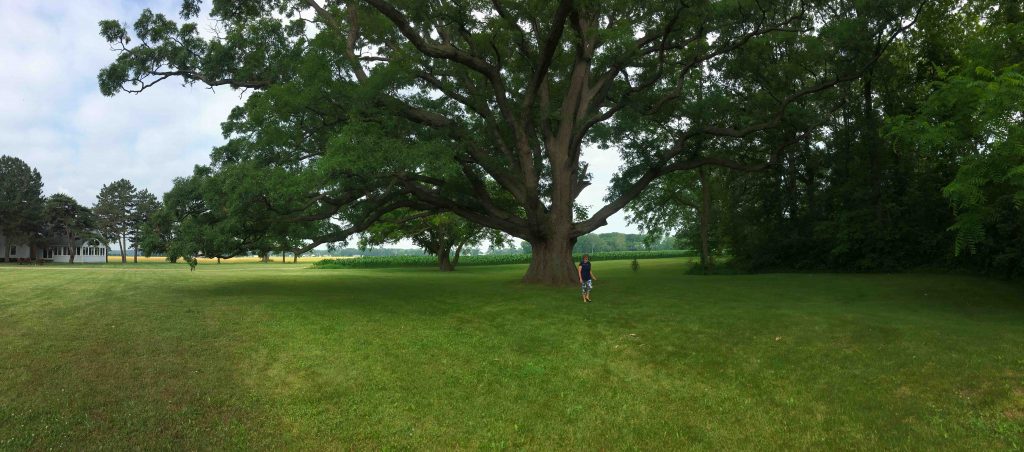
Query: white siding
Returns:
{"type": "Point", "coordinates": [98, 255]}
{"type": "Point", "coordinates": [20, 251]}
{"type": "Point", "coordinates": [89, 254]}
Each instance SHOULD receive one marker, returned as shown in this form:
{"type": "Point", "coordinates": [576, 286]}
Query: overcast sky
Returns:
{"type": "Point", "coordinates": [53, 116]}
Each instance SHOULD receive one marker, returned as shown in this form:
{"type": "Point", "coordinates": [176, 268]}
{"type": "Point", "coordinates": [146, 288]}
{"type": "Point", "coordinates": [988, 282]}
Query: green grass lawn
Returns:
{"type": "Point", "coordinates": [282, 356]}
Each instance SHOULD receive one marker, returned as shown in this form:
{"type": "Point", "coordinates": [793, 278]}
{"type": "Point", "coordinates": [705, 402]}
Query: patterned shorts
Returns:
{"type": "Point", "coordinates": [587, 285]}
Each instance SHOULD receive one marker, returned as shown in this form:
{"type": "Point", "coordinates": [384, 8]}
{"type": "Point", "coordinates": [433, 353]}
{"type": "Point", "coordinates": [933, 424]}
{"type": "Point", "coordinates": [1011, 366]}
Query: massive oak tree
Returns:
{"type": "Point", "coordinates": [367, 107]}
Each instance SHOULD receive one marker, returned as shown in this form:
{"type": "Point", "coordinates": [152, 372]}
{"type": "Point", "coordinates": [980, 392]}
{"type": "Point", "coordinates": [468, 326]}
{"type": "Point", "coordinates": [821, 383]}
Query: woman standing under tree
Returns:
{"type": "Point", "coordinates": [587, 277]}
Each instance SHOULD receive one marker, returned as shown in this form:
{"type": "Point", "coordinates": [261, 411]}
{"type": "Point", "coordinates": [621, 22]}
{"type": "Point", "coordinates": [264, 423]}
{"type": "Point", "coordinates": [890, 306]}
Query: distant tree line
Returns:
{"type": "Point", "coordinates": [617, 241]}
{"type": "Point", "coordinates": [919, 163]}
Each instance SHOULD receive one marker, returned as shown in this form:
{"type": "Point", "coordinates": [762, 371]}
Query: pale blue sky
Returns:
{"type": "Point", "coordinates": [53, 116]}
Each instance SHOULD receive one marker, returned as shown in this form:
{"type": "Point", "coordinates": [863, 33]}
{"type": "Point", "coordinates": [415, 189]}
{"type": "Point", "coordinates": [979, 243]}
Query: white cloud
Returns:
{"type": "Point", "coordinates": [53, 116]}
{"type": "Point", "coordinates": [604, 163]}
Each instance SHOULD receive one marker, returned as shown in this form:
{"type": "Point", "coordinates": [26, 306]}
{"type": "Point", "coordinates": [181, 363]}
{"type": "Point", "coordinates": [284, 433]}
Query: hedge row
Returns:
{"type": "Point", "coordinates": [500, 259]}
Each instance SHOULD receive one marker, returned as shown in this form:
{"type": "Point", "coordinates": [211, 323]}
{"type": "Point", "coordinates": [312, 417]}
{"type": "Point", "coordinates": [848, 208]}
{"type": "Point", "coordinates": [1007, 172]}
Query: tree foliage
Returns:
{"type": "Point", "coordinates": [21, 201]}
{"type": "Point", "coordinates": [444, 235]}
{"type": "Point", "coordinates": [917, 163]}
{"type": "Point", "coordinates": [114, 211]}
{"type": "Point", "coordinates": [975, 111]}
{"type": "Point", "coordinates": [484, 109]}
{"type": "Point", "coordinates": [68, 221]}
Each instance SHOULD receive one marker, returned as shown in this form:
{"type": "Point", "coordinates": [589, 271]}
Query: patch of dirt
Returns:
{"type": "Point", "coordinates": [1014, 414]}
{"type": "Point", "coordinates": [1016, 410]}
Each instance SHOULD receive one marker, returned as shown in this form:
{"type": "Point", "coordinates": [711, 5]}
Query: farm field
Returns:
{"type": "Point", "coordinates": [274, 356]}
{"type": "Point", "coordinates": [412, 261]}
{"type": "Point", "coordinates": [234, 260]}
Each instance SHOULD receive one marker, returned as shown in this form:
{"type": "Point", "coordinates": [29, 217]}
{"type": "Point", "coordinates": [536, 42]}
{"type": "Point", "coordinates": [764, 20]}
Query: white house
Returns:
{"type": "Point", "coordinates": [86, 251]}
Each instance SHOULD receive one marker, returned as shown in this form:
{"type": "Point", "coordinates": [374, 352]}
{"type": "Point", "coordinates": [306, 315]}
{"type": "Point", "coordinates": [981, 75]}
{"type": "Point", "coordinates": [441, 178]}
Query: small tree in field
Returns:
{"type": "Point", "coordinates": [682, 203]}
{"type": "Point", "coordinates": [443, 235]}
{"type": "Point", "coordinates": [114, 213]}
{"type": "Point", "coordinates": [144, 207]}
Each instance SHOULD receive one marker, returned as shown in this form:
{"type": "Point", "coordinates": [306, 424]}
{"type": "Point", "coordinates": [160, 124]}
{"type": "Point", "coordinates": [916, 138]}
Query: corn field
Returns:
{"type": "Point", "coordinates": [503, 259]}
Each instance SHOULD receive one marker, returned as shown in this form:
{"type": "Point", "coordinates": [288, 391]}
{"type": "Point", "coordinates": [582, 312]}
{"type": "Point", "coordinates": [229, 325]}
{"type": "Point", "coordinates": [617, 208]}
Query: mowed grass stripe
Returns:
{"type": "Point", "coordinates": [281, 356]}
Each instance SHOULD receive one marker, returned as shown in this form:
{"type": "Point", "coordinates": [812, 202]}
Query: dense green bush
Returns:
{"type": "Point", "coordinates": [430, 261]}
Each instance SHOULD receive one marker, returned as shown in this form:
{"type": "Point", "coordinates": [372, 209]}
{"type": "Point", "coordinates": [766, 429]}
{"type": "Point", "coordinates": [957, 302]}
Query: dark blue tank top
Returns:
{"type": "Point", "coordinates": [585, 270]}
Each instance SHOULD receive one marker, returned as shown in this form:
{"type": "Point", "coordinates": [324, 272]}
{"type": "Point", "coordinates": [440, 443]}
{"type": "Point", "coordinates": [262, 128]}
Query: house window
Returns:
{"type": "Point", "coordinates": [14, 249]}
{"type": "Point", "coordinates": [78, 250]}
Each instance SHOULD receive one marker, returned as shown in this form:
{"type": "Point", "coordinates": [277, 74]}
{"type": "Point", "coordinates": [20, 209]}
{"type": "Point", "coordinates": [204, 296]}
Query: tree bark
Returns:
{"type": "Point", "coordinates": [705, 211]}
{"type": "Point", "coordinates": [873, 143]}
{"type": "Point", "coordinates": [7, 249]}
{"type": "Point", "coordinates": [458, 253]}
{"type": "Point", "coordinates": [71, 245]}
{"type": "Point", "coordinates": [135, 253]}
{"type": "Point", "coordinates": [444, 261]}
{"type": "Point", "coordinates": [123, 243]}
{"type": "Point", "coordinates": [551, 262]}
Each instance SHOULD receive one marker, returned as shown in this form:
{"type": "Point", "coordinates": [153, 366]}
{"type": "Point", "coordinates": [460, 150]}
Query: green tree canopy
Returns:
{"type": "Point", "coordinates": [144, 207]}
{"type": "Point", "coordinates": [362, 108]}
{"type": "Point", "coordinates": [444, 235]}
{"type": "Point", "coordinates": [21, 200]}
{"type": "Point", "coordinates": [114, 212]}
{"type": "Point", "coordinates": [68, 221]}
{"type": "Point", "coordinates": [974, 109]}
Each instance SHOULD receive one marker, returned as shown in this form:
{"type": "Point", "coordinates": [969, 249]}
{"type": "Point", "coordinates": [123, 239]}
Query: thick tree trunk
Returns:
{"type": "Point", "coordinates": [283, 256]}
{"type": "Point", "coordinates": [551, 262]}
{"type": "Point", "coordinates": [135, 254]}
{"type": "Point", "coordinates": [873, 142]}
{"type": "Point", "coordinates": [458, 253]}
{"type": "Point", "coordinates": [7, 250]}
{"type": "Point", "coordinates": [705, 212]}
{"type": "Point", "coordinates": [295, 258]}
{"type": "Point", "coordinates": [71, 245]}
{"type": "Point", "coordinates": [123, 243]}
{"type": "Point", "coordinates": [444, 261]}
